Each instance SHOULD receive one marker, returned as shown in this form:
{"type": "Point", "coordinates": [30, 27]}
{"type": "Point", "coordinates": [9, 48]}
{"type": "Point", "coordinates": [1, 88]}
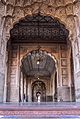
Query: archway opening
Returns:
{"type": "Point", "coordinates": [52, 36]}
{"type": "Point", "coordinates": [39, 70]}
{"type": "Point", "coordinates": [38, 91]}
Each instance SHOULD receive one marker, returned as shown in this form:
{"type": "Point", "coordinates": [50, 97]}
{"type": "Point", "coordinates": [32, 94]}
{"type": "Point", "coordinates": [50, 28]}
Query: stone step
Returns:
{"type": "Point", "coordinates": [40, 110]}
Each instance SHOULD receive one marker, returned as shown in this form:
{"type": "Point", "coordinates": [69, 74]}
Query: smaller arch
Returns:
{"type": "Point", "coordinates": [47, 63]}
{"type": "Point", "coordinates": [40, 49]}
{"type": "Point", "coordinates": [38, 91]}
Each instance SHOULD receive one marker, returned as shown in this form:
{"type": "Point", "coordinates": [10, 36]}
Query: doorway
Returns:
{"type": "Point", "coordinates": [38, 92]}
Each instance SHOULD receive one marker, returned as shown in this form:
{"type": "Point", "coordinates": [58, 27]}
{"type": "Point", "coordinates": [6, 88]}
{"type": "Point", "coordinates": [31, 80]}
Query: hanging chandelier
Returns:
{"type": "Point", "coordinates": [38, 56]}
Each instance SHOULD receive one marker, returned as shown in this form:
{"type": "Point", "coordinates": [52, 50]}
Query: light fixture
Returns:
{"type": "Point", "coordinates": [38, 78]}
{"type": "Point", "coordinates": [38, 55]}
{"type": "Point", "coordinates": [38, 62]}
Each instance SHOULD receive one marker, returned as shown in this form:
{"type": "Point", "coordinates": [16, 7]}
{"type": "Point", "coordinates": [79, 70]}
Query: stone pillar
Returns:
{"type": "Point", "coordinates": [2, 68]}
{"type": "Point", "coordinates": [22, 88]}
{"type": "Point", "coordinates": [25, 88]}
{"type": "Point", "coordinates": [1, 86]}
{"type": "Point", "coordinates": [64, 93]}
{"type": "Point", "coordinates": [77, 86]}
{"type": "Point", "coordinates": [54, 91]}
{"type": "Point", "coordinates": [5, 82]}
{"type": "Point", "coordinates": [76, 50]}
{"type": "Point", "coordinates": [2, 50]}
{"type": "Point", "coordinates": [76, 60]}
{"type": "Point", "coordinates": [29, 91]}
{"type": "Point", "coordinates": [14, 74]}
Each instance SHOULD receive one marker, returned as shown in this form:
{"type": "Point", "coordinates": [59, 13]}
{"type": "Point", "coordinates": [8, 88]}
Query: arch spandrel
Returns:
{"type": "Point", "coordinates": [59, 11]}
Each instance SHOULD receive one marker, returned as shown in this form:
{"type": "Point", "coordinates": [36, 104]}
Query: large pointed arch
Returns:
{"type": "Point", "coordinates": [39, 28]}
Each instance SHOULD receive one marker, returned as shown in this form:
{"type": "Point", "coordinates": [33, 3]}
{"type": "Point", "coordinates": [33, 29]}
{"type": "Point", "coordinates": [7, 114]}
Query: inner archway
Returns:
{"type": "Point", "coordinates": [38, 67]}
{"type": "Point", "coordinates": [38, 91]}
